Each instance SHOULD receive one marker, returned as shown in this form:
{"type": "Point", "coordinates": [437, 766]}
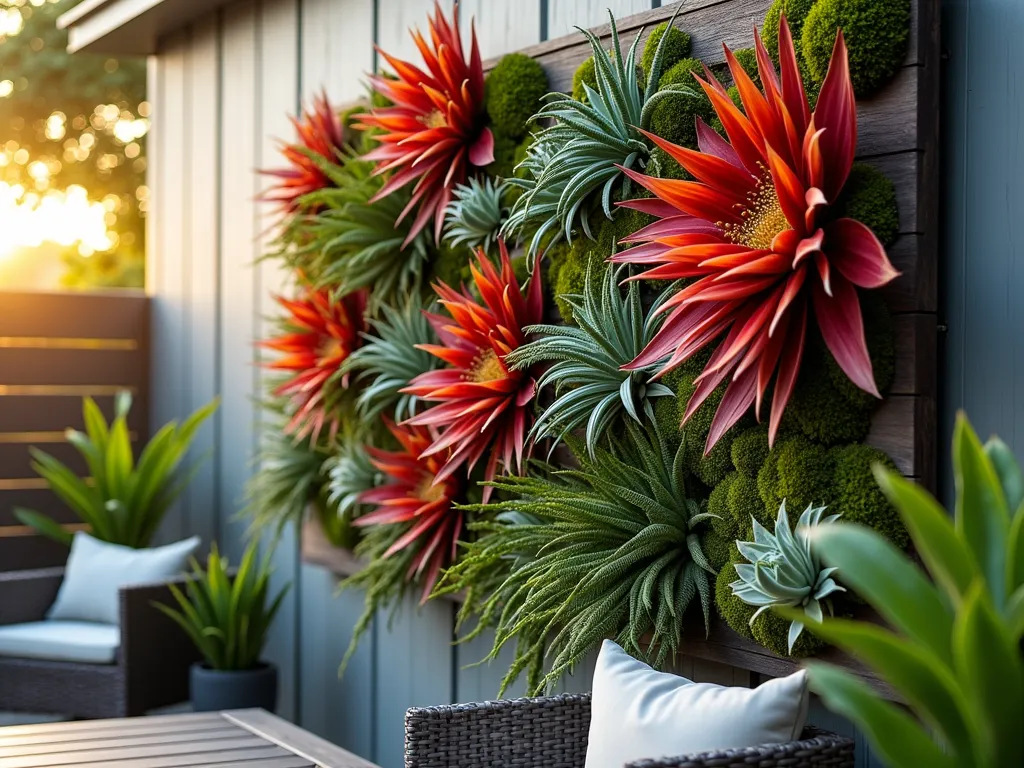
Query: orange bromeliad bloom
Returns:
{"type": "Point", "coordinates": [321, 332]}
{"type": "Point", "coordinates": [413, 494]}
{"type": "Point", "coordinates": [434, 132]}
{"type": "Point", "coordinates": [320, 135]}
{"type": "Point", "coordinates": [755, 235]}
{"type": "Point", "coordinates": [481, 402]}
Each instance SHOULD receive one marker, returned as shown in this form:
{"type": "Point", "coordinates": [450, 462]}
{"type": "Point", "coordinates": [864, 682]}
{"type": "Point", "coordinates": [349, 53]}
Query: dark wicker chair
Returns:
{"type": "Point", "coordinates": [551, 732]}
{"type": "Point", "coordinates": [151, 669]}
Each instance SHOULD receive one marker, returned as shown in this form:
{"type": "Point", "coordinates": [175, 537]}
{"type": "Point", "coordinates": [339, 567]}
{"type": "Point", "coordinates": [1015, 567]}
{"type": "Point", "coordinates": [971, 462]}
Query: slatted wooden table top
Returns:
{"type": "Point", "coordinates": [252, 738]}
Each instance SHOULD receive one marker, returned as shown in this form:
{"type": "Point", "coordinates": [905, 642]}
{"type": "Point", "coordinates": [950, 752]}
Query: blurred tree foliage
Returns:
{"type": "Point", "coordinates": [78, 119]}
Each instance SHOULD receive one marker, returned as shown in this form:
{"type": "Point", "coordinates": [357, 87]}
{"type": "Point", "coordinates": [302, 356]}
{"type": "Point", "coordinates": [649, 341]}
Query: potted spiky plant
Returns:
{"type": "Point", "coordinates": [228, 614]}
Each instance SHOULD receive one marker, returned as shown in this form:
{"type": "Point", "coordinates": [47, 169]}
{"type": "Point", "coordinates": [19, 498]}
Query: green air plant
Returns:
{"type": "Point", "coordinates": [782, 570]}
{"type": "Point", "coordinates": [476, 213]}
{"type": "Point", "coordinates": [342, 240]}
{"type": "Point", "coordinates": [590, 386]}
{"type": "Point", "coordinates": [121, 501]}
{"type": "Point", "coordinates": [614, 552]}
{"type": "Point", "coordinates": [288, 473]}
{"type": "Point", "coordinates": [389, 359]}
{"type": "Point", "coordinates": [952, 652]}
{"type": "Point", "coordinates": [227, 615]}
{"type": "Point", "coordinates": [578, 157]}
{"type": "Point", "coordinates": [349, 473]}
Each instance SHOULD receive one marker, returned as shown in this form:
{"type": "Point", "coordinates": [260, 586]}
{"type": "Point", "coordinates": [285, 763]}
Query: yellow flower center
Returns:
{"type": "Point", "coordinates": [435, 119]}
{"type": "Point", "coordinates": [486, 367]}
{"type": "Point", "coordinates": [330, 349]}
{"type": "Point", "coordinates": [762, 215]}
{"type": "Point", "coordinates": [427, 492]}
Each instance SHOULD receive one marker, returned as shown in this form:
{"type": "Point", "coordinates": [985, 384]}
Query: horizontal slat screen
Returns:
{"type": "Point", "coordinates": [55, 349]}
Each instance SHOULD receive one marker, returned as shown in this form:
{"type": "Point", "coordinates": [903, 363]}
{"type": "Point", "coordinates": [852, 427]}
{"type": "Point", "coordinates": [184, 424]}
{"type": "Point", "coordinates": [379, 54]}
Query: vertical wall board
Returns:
{"type": "Point", "coordinates": [414, 669]}
{"type": "Point", "coordinates": [278, 97]}
{"type": "Point", "coordinates": [340, 710]}
{"type": "Point", "coordinates": [581, 679]}
{"type": "Point", "coordinates": [201, 165]}
{"type": "Point", "coordinates": [240, 142]}
{"type": "Point", "coordinates": [170, 308]}
{"type": "Point", "coordinates": [480, 682]}
{"type": "Point", "coordinates": [337, 48]}
{"type": "Point", "coordinates": [565, 15]}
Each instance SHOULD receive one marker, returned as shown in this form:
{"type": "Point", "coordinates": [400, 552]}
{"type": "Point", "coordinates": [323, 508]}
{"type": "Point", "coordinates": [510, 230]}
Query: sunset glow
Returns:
{"type": "Point", "coordinates": [29, 219]}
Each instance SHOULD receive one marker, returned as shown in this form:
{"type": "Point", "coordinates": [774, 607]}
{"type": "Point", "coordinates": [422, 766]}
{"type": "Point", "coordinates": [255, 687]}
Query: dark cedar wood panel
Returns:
{"type": "Point", "coordinates": [56, 348]}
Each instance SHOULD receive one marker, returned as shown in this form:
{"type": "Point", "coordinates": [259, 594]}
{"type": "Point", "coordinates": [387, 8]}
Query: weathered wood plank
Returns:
{"type": "Point", "coordinates": [196, 723]}
{"type": "Point", "coordinates": [119, 740]}
{"type": "Point", "coordinates": [68, 315]}
{"type": "Point", "coordinates": [179, 751]}
{"type": "Point", "coordinates": [260, 753]}
{"type": "Point", "coordinates": [49, 413]}
{"type": "Point", "coordinates": [72, 366]}
{"type": "Point", "coordinates": [894, 430]}
{"type": "Point", "coordinates": [294, 739]}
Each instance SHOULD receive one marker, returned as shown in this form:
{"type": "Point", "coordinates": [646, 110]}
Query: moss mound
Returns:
{"type": "Point", "coordinates": [585, 74]}
{"type": "Point", "coordinates": [712, 468]}
{"type": "Point", "coordinates": [796, 13]}
{"type": "Point", "coordinates": [878, 332]}
{"type": "Point", "coordinates": [723, 522]}
{"type": "Point", "coordinates": [716, 548]}
{"type": "Point", "coordinates": [451, 266]}
{"type": "Point", "coordinates": [876, 34]}
{"type": "Point", "coordinates": [772, 632]}
{"type": "Point", "coordinates": [514, 89]}
{"type": "Point", "coordinates": [870, 198]}
{"type": "Point", "coordinates": [665, 167]}
{"type": "Point", "coordinates": [745, 504]}
{"type": "Point", "coordinates": [857, 495]}
{"type": "Point", "coordinates": [504, 156]}
{"type": "Point", "coordinates": [676, 48]}
{"type": "Point", "coordinates": [798, 472]}
{"type": "Point", "coordinates": [749, 450]}
{"type": "Point", "coordinates": [674, 117]}
{"type": "Point", "coordinates": [734, 611]}
{"type": "Point", "coordinates": [818, 409]}
{"type": "Point", "coordinates": [667, 419]}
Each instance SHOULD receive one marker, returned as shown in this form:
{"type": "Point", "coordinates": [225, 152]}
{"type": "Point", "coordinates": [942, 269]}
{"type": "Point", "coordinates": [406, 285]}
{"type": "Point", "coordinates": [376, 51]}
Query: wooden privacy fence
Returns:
{"type": "Point", "coordinates": [55, 349]}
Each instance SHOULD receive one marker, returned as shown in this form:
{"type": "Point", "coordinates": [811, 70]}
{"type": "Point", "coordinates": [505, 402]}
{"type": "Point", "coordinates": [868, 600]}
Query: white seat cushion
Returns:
{"type": "Point", "coordinates": [80, 641]}
{"type": "Point", "coordinates": [638, 713]}
{"type": "Point", "coordinates": [96, 570]}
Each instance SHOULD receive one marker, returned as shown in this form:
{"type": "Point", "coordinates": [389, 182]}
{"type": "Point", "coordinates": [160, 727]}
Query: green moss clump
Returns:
{"type": "Point", "coordinates": [716, 548]}
{"type": "Point", "coordinates": [676, 48]}
{"type": "Point", "coordinates": [734, 611]}
{"type": "Point", "coordinates": [858, 497]}
{"type": "Point", "coordinates": [674, 117]}
{"type": "Point", "coordinates": [572, 274]}
{"type": "Point", "coordinates": [723, 522]}
{"type": "Point", "coordinates": [554, 258]}
{"type": "Point", "coordinates": [585, 74]}
{"type": "Point", "coordinates": [451, 266]}
{"type": "Point", "coordinates": [796, 13]}
{"type": "Point", "coordinates": [664, 166]}
{"type": "Point", "coordinates": [798, 472]}
{"type": "Point", "coordinates": [521, 269]}
{"type": "Point", "coordinates": [772, 632]}
{"type": "Point", "coordinates": [667, 419]}
{"type": "Point", "coordinates": [713, 467]}
{"type": "Point", "coordinates": [818, 409]}
{"type": "Point", "coordinates": [747, 57]}
{"type": "Point", "coordinates": [514, 89]}
{"type": "Point", "coordinates": [878, 333]}
{"type": "Point", "coordinates": [745, 504]}
{"type": "Point", "coordinates": [749, 450]}
{"type": "Point", "coordinates": [870, 198]}
{"type": "Point", "coordinates": [504, 156]}
{"type": "Point", "coordinates": [876, 34]}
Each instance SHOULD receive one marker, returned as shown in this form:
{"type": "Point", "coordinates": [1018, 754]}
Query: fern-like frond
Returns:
{"type": "Point", "coordinates": [591, 389]}
{"type": "Point", "coordinates": [603, 551]}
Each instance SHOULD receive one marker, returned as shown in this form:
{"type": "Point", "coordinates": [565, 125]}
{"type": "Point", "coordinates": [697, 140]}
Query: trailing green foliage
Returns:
{"type": "Point", "coordinates": [227, 617]}
{"type": "Point", "coordinates": [475, 214]}
{"type": "Point", "coordinates": [347, 243]}
{"type": "Point", "coordinates": [514, 89]}
{"type": "Point", "coordinates": [388, 360]}
{"type": "Point", "coordinates": [590, 386]}
{"type": "Point", "coordinates": [876, 32]}
{"type": "Point", "coordinates": [952, 650]}
{"type": "Point", "coordinates": [121, 501]}
{"type": "Point", "coordinates": [288, 474]}
{"type": "Point", "coordinates": [577, 160]}
{"type": "Point", "coordinates": [781, 570]}
{"type": "Point", "coordinates": [870, 198]}
{"type": "Point", "coordinates": [615, 552]}
{"type": "Point", "coordinates": [675, 49]}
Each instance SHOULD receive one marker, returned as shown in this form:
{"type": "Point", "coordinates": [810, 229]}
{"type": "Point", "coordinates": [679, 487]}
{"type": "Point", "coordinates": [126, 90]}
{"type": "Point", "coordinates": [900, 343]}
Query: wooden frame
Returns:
{"type": "Point", "coordinates": [897, 133]}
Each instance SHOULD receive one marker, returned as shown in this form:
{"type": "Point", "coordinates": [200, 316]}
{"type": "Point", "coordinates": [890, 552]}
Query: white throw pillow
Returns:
{"type": "Point", "coordinates": [638, 713]}
{"type": "Point", "coordinates": [97, 569]}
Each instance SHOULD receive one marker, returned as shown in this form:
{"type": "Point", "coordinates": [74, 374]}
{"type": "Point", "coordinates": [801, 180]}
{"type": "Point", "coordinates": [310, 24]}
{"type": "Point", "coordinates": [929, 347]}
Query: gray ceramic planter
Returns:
{"type": "Point", "coordinates": [214, 689]}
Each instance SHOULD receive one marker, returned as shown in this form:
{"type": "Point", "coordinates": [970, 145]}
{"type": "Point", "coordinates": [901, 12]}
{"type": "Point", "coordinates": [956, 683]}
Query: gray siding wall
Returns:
{"type": "Point", "coordinates": [222, 89]}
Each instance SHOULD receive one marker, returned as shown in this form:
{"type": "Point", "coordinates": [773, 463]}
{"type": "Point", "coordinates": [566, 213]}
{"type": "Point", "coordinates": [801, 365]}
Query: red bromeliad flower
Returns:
{"type": "Point", "coordinates": [414, 494]}
{"type": "Point", "coordinates": [321, 332]}
{"type": "Point", "coordinates": [435, 129]}
{"type": "Point", "coordinates": [481, 403]}
{"type": "Point", "coordinates": [755, 235]}
{"type": "Point", "coordinates": [319, 133]}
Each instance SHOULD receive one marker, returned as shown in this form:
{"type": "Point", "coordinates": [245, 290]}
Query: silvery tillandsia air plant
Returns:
{"type": "Point", "coordinates": [783, 571]}
{"type": "Point", "coordinates": [476, 213]}
{"type": "Point", "coordinates": [583, 153]}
